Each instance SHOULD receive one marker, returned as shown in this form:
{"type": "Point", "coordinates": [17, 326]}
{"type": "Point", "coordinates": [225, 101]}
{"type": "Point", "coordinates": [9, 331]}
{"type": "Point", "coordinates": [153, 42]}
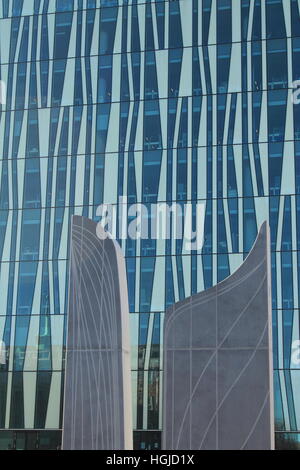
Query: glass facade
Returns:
{"type": "Point", "coordinates": [168, 101]}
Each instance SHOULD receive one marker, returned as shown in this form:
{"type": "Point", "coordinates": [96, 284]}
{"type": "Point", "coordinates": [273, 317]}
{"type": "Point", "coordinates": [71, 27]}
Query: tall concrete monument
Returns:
{"type": "Point", "coordinates": [97, 401]}
{"type": "Point", "coordinates": [218, 391]}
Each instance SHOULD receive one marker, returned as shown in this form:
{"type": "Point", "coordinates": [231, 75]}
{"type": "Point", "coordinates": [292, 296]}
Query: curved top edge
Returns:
{"type": "Point", "coordinates": [80, 220]}
{"type": "Point", "coordinates": [106, 239]}
{"type": "Point", "coordinates": [262, 233]}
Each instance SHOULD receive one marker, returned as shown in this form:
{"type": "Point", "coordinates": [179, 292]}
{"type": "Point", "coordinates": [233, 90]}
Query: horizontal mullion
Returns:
{"type": "Point", "coordinates": [147, 203]}
{"type": "Point", "coordinates": [131, 313]}
{"type": "Point", "coordinates": [6, 158]}
{"type": "Point", "coordinates": [176, 255]}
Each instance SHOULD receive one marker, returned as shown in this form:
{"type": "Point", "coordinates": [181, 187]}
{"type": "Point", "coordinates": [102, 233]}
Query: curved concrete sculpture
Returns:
{"type": "Point", "coordinates": [218, 391]}
{"type": "Point", "coordinates": [97, 402]}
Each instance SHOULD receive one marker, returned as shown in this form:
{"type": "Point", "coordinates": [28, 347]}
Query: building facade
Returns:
{"type": "Point", "coordinates": [154, 101]}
